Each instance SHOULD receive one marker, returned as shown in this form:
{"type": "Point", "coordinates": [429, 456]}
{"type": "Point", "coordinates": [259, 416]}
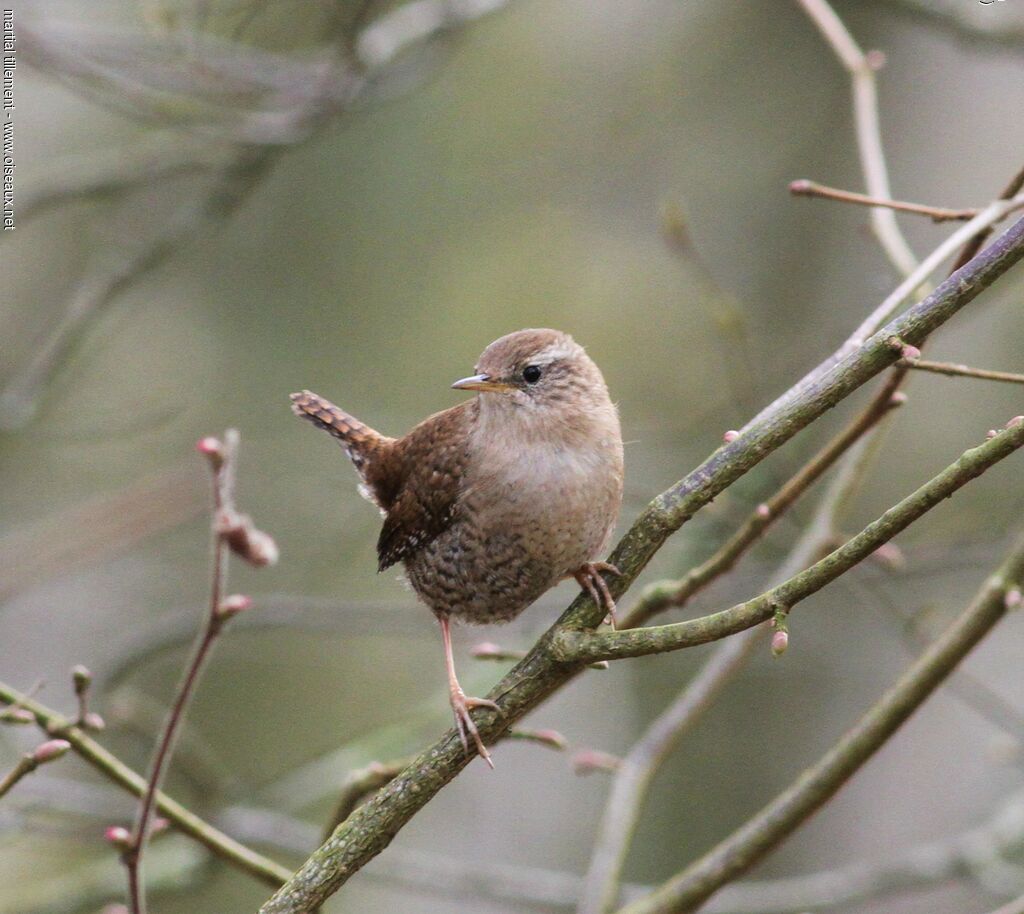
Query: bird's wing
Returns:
{"type": "Point", "coordinates": [429, 466]}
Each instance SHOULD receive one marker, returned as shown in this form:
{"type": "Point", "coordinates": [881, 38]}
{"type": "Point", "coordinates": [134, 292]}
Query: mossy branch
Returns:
{"type": "Point", "coordinates": [588, 647]}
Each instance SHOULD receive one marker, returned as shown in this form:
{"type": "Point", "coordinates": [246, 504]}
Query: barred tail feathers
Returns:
{"type": "Point", "coordinates": [359, 440]}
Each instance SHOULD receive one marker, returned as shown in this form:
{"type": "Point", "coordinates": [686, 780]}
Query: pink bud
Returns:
{"type": "Point", "coordinates": [587, 761]}
{"type": "Point", "coordinates": [210, 446]}
{"type": "Point", "coordinates": [485, 650]}
{"type": "Point", "coordinates": [118, 836]}
{"type": "Point", "coordinates": [263, 550]}
{"type": "Point", "coordinates": [1015, 421]}
{"type": "Point", "coordinates": [93, 721]}
{"type": "Point", "coordinates": [800, 186]}
{"type": "Point", "coordinates": [50, 750]}
{"type": "Point", "coordinates": [730, 436]}
{"type": "Point", "coordinates": [875, 59]}
{"type": "Point", "coordinates": [243, 539]}
{"type": "Point", "coordinates": [159, 825]}
{"type": "Point", "coordinates": [898, 398]}
{"type": "Point", "coordinates": [990, 434]}
{"type": "Point", "coordinates": [1013, 598]}
{"type": "Point", "coordinates": [232, 605]}
{"type": "Point", "coordinates": [17, 716]}
{"type": "Point", "coordinates": [763, 512]}
{"type": "Point", "coordinates": [780, 641]}
{"type": "Point", "coordinates": [910, 353]}
{"type": "Point", "coordinates": [552, 738]}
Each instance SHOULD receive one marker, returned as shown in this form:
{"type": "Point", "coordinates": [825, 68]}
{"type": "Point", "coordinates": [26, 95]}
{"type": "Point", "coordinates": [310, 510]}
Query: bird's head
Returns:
{"type": "Point", "coordinates": [537, 370]}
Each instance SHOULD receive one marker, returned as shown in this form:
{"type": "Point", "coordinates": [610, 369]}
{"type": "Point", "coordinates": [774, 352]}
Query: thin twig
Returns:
{"type": "Point", "coordinates": [664, 594]}
{"type": "Point", "coordinates": [1013, 187]}
{"type": "Point", "coordinates": [372, 827]}
{"type": "Point", "coordinates": [867, 128]}
{"type": "Point", "coordinates": [585, 646]}
{"type": "Point", "coordinates": [766, 830]}
{"type": "Point", "coordinates": [187, 822]}
{"type": "Point", "coordinates": [962, 371]}
{"type": "Point", "coordinates": [30, 761]}
{"type": "Point", "coordinates": [222, 461]}
{"type": "Point", "coordinates": [805, 188]}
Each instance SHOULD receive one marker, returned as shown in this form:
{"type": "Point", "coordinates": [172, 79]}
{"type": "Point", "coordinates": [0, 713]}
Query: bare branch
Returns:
{"type": "Point", "coordinates": [664, 594]}
{"type": "Point", "coordinates": [805, 188]}
{"type": "Point", "coordinates": [581, 646]}
{"type": "Point", "coordinates": [963, 371]}
{"type": "Point", "coordinates": [220, 608]}
{"type": "Point", "coordinates": [766, 830]}
{"type": "Point", "coordinates": [869, 135]}
{"type": "Point", "coordinates": [223, 846]}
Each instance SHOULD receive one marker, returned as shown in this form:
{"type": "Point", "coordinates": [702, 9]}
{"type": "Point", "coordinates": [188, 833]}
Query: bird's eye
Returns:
{"type": "Point", "coordinates": [531, 374]}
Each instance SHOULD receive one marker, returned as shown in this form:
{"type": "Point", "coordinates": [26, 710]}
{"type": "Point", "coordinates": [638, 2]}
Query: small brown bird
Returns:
{"type": "Point", "coordinates": [494, 501]}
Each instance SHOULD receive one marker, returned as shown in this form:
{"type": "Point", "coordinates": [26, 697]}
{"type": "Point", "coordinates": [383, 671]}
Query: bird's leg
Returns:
{"type": "Point", "coordinates": [589, 578]}
{"type": "Point", "coordinates": [461, 703]}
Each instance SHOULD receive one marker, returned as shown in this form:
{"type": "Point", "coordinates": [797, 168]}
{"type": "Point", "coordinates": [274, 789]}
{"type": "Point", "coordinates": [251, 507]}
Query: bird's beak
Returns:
{"type": "Point", "coordinates": [480, 382]}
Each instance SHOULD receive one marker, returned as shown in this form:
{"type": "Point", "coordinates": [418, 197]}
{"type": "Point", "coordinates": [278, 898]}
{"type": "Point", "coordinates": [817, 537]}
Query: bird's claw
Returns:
{"type": "Point", "coordinates": [462, 704]}
{"type": "Point", "coordinates": [589, 578]}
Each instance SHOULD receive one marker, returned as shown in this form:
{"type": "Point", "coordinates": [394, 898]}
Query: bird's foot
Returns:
{"type": "Point", "coordinates": [589, 578]}
{"type": "Point", "coordinates": [462, 704]}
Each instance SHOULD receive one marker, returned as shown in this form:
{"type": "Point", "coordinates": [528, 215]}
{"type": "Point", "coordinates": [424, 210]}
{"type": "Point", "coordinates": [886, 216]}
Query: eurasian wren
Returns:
{"type": "Point", "coordinates": [494, 501]}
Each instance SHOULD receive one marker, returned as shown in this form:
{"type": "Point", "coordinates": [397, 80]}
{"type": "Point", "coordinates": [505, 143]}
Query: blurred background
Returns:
{"type": "Point", "coordinates": [201, 233]}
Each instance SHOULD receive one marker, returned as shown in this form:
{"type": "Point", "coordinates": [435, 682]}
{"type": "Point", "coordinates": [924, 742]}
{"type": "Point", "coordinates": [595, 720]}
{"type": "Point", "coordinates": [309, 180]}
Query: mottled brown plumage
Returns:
{"type": "Point", "coordinates": [492, 502]}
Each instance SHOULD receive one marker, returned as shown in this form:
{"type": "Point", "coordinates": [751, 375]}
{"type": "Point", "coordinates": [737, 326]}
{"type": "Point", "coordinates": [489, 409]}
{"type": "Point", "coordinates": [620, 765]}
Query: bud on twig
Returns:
{"type": "Point", "coordinates": [17, 716]}
{"type": "Point", "coordinates": [730, 436]}
{"type": "Point", "coordinates": [1013, 599]}
{"type": "Point", "coordinates": [780, 641]}
{"type": "Point", "coordinates": [587, 761]}
{"type": "Point", "coordinates": [243, 539]}
{"type": "Point", "coordinates": [213, 450]}
{"type": "Point", "coordinates": [50, 750]}
{"type": "Point", "coordinates": [82, 679]}
{"type": "Point", "coordinates": [780, 637]}
{"type": "Point", "coordinates": [119, 836]}
{"type": "Point", "coordinates": [93, 721]}
{"type": "Point", "coordinates": [550, 738]}
{"type": "Point", "coordinates": [232, 605]}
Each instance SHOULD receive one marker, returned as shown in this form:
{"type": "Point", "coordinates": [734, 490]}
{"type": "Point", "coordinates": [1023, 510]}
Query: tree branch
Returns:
{"type": "Point", "coordinates": [371, 827]}
{"type": "Point", "coordinates": [814, 787]}
{"type": "Point", "coordinates": [664, 594]}
{"type": "Point", "coordinates": [227, 533]}
{"type": "Point", "coordinates": [586, 647]}
{"type": "Point", "coordinates": [187, 822]}
{"type": "Point", "coordinates": [805, 188]}
{"type": "Point", "coordinates": [963, 371]}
